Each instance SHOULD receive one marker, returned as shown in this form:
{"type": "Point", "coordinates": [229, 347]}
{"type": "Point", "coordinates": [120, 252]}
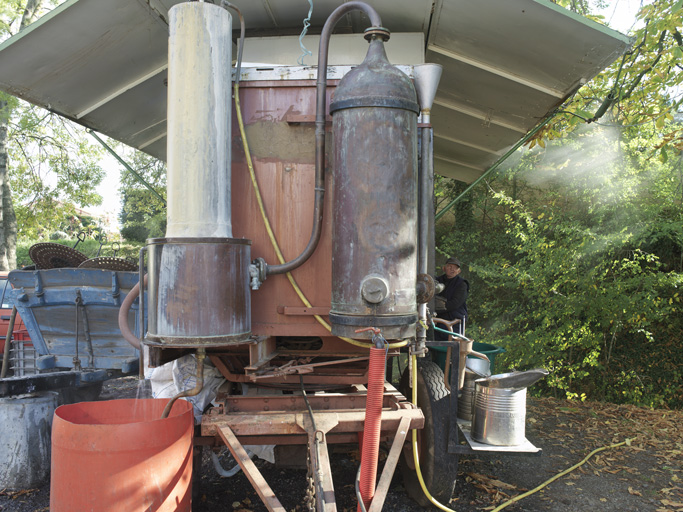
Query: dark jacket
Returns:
{"type": "Point", "coordinates": [455, 294]}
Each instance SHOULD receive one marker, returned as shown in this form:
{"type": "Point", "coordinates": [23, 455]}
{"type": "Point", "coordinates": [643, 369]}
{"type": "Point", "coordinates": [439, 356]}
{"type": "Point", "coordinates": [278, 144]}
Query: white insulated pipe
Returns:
{"type": "Point", "coordinates": [198, 120]}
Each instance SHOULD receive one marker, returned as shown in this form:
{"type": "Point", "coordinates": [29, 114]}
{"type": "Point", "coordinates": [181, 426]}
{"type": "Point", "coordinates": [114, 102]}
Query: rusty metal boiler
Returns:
{"type": "Point", "coordinates": [374, 255]}
{"type": "Point", "coordinates": [198, 273]}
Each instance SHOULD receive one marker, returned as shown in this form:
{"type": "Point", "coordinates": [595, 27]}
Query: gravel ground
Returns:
{"type": "Point", "coordinates": [644, 475]}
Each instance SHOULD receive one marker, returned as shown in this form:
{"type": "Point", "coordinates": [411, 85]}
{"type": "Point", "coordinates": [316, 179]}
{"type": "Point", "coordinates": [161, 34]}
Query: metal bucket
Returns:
{"type": "Point", "coordinates": [499, 415]}
{"type": "Point", "coordinates": [25, 443]}
{"type": "Point", "coordinates": [466, 399]}
{"type": "Point", "coordinates": [481, 366]}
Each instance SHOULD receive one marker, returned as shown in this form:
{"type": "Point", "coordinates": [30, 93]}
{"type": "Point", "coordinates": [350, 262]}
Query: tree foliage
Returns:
{"type": "Point", "coordinates": [575, 248]}
{"type": "Point", "coordinates": [48, 163]}
{"type": "Point", "coordinates": [641, 88]}
{"type": "Point", "coordinates": [580, 270]}
{"type": "Point", "coordinates": [54, 170]}
{"type": "Point", "coordinates": [143, 214]}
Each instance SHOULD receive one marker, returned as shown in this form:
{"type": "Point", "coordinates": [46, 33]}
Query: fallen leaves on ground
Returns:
{"type": "Point", "coordinates": [653, 450]}
{"type": "Point", "coordinates": [17, 494]}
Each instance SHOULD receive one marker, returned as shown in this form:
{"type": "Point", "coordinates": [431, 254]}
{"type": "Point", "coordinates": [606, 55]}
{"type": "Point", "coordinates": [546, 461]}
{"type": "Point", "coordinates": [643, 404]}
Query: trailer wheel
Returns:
{"type": "Point", "coordinates": [439, 468]}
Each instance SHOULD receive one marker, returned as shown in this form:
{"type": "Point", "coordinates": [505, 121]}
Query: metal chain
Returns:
{"type": "Point", "coordinates": [309, 498]}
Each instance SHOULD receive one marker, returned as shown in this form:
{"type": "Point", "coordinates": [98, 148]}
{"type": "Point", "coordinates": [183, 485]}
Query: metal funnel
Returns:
{"type": "Point", "coordinates": [427, 78]}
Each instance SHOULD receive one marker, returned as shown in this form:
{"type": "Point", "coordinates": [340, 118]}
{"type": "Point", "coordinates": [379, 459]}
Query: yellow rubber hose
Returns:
{"type": "Point", "coordinates": [559, 475]}
{"type": "Point", "coordinates": [271, 235]}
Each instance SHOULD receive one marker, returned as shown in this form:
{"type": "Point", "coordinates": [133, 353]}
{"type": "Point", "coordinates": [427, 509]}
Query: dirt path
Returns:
{"type": "Point", "coordinates": [643, 476]}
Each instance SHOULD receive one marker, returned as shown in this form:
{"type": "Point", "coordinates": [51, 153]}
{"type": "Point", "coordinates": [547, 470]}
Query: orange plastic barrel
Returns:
{"type": "Point", "coordinates": [121, 456]}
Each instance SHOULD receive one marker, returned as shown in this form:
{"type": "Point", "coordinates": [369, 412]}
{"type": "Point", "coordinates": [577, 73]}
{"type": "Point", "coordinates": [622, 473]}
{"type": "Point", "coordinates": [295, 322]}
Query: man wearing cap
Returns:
{"type": "Point", "coordinates": [451, 302]}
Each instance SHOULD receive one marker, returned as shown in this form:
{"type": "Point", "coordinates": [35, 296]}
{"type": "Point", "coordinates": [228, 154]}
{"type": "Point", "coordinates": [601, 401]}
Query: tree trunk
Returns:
{"type": "Point", "coordinates": [8, 230]}
{"type": "Point", "coordinates": [8, 219]}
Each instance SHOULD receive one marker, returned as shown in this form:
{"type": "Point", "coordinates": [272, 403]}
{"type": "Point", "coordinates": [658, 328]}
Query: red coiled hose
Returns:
{"type": "Point", "coordinates": [373, 425]}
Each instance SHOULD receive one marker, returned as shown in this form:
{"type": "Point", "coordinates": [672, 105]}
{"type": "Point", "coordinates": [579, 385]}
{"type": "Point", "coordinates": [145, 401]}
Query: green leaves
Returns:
{"type": "Point", "coordinates": [143, 215]}
{"type": "Point", "coordinates": [640, 87]}
{"type": "Point", "coordinates": [53, 169]}
{"type": "Point", "coordinates": [575, 260]}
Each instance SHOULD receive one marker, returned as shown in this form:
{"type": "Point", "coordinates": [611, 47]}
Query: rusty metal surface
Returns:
{"type": "Point", "coordinates": [109, 263]}
{"type": "Point", "coordinates": [352, 401]}
{"type": "Point", "coordinates": [255, 422]}
{"type": "Point", "coordinates": [283, 154]}
{"type": "Point", "coordinates": [322, 472]}
{"type": "Point", "coordinates": [325, 363]}
{"type": "Point", "coordinates": [198, 291]}
{"type": "Point", "coordinates": [323, 379]}
{"type": "Point", "coordinates": [47, 255]}
{"type": "Point", "coordinates": [374, 257]}
{"type": "Point", "coordinates": [426, 286]}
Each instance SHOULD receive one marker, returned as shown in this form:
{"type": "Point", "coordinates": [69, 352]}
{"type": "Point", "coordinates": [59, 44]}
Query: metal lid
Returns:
{"type": "Point", "coordinates": [375, 83]}
{"type": "Point", "coordinates": [514, 380]}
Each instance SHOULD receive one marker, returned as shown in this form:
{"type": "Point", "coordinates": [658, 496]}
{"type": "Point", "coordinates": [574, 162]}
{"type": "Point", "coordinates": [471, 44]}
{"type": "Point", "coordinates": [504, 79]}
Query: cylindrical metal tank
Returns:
{"type": "Point", "coordinates": [199, 107]}
{"type": "Point", "coordinates": [374, 231]}
{"type": "Point", "coordinates": [198, 291]}
{"type": "Point", "coordinates": [199, 274]}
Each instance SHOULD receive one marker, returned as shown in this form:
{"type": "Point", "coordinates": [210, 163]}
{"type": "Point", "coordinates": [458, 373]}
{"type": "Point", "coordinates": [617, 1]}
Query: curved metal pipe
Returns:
{"type": "Point", "coordinates": [201, 355]}
{"type": "Point", "coordinates": [128, 335]}
{"type": "Point", "coordinates": [238, 68]}
{"type": "Point", "coordinates": [320, 111]}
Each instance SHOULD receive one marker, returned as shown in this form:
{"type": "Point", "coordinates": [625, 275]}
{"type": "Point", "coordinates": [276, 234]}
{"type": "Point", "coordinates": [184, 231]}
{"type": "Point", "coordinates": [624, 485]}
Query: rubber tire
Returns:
{"type": "Point", "coordinates": [439, 468]}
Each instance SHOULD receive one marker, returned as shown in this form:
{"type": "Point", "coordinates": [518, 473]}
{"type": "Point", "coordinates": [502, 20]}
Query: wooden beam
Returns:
{"type": "Point", "coordinates": [390, 466]}
{"type": "Point", "coordinates": [251, 471]}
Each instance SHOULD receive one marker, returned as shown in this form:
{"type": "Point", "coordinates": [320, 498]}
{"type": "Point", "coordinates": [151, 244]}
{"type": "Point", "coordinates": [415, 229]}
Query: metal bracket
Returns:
{"type": "Point", "coordinates": [257, 273]}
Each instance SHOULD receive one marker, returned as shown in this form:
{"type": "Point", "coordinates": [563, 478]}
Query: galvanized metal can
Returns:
{"type": "Point", "coordinates": [499, 415]}
{"type": "Point", "coordinates": [466, 399]}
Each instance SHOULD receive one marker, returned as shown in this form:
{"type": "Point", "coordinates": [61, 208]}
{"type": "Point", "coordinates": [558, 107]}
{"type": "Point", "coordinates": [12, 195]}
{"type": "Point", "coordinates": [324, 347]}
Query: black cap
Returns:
{"type": "Point", "coordinates": [453, 261]}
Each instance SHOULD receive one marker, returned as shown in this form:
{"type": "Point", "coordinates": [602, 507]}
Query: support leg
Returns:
{"type": "Point", "coordinates": [253, 474]}
{"type": "Point", "coordinates": [390, 466]}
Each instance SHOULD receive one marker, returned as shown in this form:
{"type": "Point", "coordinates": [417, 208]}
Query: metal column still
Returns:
{"type": "Point", "coordinates": [198, 273]}
{"type": "Point", "coordinates": [374, 233]}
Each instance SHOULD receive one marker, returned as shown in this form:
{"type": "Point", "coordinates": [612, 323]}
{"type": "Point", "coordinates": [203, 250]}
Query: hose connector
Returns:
{"type": "Point", "coordinates": [257, 273]}
{"type": "Point", "coordinates": [377, 338]}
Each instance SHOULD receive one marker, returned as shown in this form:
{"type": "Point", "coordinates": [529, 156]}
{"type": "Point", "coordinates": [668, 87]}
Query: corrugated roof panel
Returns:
{"type": "Point", "coordinates": [533, 39]}
{"type": "Point", "coordinates": [451, 148]}
{"type": "Point", "coordinates": [492, 95]}
{"type": "Point", "coordinates": [507, 63]}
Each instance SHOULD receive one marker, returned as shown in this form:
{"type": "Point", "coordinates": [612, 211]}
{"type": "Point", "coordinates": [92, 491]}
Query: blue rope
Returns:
{"type": "Point", "coordinates": [307, 23]}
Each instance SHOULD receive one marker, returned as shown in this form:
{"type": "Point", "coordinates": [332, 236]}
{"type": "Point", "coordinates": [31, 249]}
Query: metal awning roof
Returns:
{"type": "Point", "coordinates": [507, 64]}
